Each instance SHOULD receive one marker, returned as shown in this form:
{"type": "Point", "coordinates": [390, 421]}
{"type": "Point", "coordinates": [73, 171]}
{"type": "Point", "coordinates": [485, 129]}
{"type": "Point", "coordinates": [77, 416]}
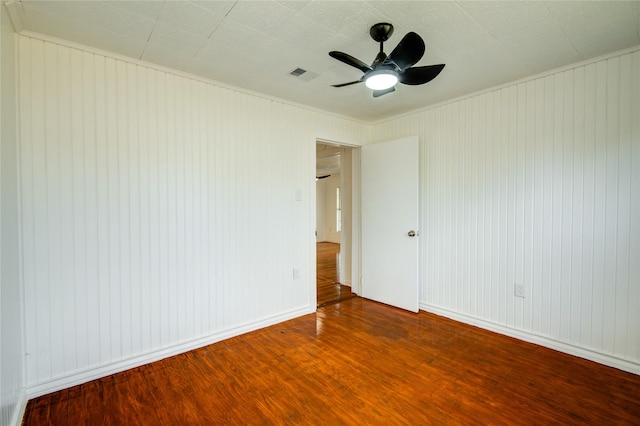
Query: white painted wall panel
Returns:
{"type": "Point", "coordinates": [538, 183]}
{"type": "Point", "coordinates": [159, 210]}
{"type": "Point", "coordinates": [12, 395]}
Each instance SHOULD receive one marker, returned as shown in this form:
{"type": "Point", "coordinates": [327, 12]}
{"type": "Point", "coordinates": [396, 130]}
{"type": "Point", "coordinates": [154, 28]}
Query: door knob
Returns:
{"type": "Point", "coordinates": [412, 233]}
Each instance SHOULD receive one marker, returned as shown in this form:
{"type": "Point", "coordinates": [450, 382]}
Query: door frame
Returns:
{"type": "Point", "coordinates": [356, 249]}
{"type": "Point", "coordinates": [355, 278]}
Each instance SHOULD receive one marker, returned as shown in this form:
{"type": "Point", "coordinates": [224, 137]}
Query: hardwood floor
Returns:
{"type": "Point", "coordinates": [355, 362]}
{"type": "Point", "coordinates": [329, 288]}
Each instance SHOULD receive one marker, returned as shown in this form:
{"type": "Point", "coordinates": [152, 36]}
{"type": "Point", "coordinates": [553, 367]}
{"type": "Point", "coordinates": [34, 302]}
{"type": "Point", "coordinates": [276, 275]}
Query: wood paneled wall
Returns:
{"type": "Point", "coordinates": [12, 396]}
{"type": "Point", "coordinates": [537, 183]}
{"type": "Point", "coordinates": [159, 212]}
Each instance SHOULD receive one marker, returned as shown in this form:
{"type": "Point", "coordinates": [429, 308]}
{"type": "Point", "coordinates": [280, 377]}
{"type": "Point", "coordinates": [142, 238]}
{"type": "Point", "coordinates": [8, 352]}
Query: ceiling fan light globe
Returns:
{"type": "Point", "coordinates": [381, 79]}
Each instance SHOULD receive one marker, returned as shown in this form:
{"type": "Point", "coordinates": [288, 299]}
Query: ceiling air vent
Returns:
{"type": "Point", "coordinates": [303, 74]}
{"type": "Point", "coordinates": [297, 72]}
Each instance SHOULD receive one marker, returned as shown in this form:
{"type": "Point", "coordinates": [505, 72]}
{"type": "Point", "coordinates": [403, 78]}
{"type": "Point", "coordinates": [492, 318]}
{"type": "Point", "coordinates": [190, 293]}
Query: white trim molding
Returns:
{"type": "Point", "coordinates": [591, 355]}
{"type": "Point", "coordinates": [19, 409]}
{"type": "Point", "coordinates": [14, 14]}
{"type": "Point", "coordinates": [90, 374]}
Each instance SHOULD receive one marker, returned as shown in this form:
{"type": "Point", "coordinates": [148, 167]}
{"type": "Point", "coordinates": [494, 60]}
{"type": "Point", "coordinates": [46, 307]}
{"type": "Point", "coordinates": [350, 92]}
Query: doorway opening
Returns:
{"type": "Point", "coordinates": [334, 224]}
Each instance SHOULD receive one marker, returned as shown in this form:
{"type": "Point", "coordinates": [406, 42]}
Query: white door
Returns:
{"type": "Point", "coordinates": [389, 219]}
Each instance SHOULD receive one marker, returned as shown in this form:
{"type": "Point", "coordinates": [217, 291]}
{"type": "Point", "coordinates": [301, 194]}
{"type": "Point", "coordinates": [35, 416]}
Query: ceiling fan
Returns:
{"type": "Point", "coordinates": [385, 71]}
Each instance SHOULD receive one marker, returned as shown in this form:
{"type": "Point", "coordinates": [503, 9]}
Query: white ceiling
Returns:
{"type": "Point", "coordinates": [256, 44]}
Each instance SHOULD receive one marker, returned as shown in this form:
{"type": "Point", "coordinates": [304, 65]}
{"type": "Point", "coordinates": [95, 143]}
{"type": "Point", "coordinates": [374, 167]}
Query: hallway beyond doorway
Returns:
{"type": "Point", "coordinates": [328, 285]}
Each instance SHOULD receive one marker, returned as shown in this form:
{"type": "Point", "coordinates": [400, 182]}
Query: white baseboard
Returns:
{"type": "Point", "coordinates": [589, 354]}
{"type": "Point", "coordinates": [18, 410]}
{"type": "Point", "coordinates": [97, 372]}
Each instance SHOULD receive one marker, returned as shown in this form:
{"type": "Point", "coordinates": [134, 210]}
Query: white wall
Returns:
{"type": "Point", "coordinates": [326, 209]}
{"type": "Point", "coordinates": [320, 208]}
{"type": "Point", "coordinates": [347, 234]}
{"type": "Point", "coordinates": [159, 212]}
{"type": "Point", "coordinates": [12, 395]}
{"type": "Point", "coordinates": [537, 183]}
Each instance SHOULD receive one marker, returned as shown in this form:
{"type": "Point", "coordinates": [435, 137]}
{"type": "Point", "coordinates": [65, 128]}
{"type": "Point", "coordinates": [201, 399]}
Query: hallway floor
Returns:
{"type": "Point", "coordinates": [329, 288]}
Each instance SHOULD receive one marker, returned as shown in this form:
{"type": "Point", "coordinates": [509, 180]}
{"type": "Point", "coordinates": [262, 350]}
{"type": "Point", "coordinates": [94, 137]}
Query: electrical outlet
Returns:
{"type": "Point", "coordinates": [296, 273]}
{"type": "Point", "coordinates": [520, 290]}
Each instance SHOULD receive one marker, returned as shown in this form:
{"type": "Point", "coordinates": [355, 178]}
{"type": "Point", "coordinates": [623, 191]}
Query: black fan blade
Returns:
{"type": "Point", "coordinates": [378, 93]}
{"type": "Point", "coordinates": [408, 51]}
{"type": "Point", "coordinates": [350, 60]}
{"type": "Point", "coordinates": [420, 75]}
{"type": "Point", "coordinates": [347, 84]}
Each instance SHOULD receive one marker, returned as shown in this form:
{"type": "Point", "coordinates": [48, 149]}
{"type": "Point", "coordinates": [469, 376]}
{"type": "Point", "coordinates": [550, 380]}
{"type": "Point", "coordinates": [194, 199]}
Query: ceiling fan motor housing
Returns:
{"type": "Point", "coordinates": [381, 32]}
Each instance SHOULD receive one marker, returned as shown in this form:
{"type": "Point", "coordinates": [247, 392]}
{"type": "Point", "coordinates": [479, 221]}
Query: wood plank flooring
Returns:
{"type": "Point", "coordinates": [352, 363]}
{"type": "Point", "coordinates": [328, 286]}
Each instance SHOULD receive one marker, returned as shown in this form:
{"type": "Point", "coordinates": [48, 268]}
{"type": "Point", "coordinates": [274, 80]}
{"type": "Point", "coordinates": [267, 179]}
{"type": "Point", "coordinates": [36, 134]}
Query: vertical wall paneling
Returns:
{"type": "Point", "coordinates": [528, 238]}
{"type": "Point", "coordinates": [484, 197]}
{"type": "Point", "coordinates": [519, 172]}
{"type": "Point", "coordinates": [101, 295]}
{"type": "Point", "coordinates": [621, 309]}
{"type": "Point", "coordinates": [41, 232]}
{"type": "Point", "coordinates": [12, 360]}
{"type": "Point", "coordinates": [48, 166]}
{"type": "Point", "coordinates": [576, 218]}
{"type": "Point", "coordinates": [633, 338]}
{"type": "Point", "coordinates": [64, 158]}
{"type": "Point", "coordinates": [537, 183]}
{"type": "Point", "coordinates": [611, 201]}
{"type": "Point", "coordinates": [158, 211]}
{"type": "Point", "coordinates": [114, 325]}
{"type": "Point", "coordinates": [568, 215]}
{"type": "Point", "coordinates": [599, 230]}
{"type": "Point", "coordinates": [587, 160]}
